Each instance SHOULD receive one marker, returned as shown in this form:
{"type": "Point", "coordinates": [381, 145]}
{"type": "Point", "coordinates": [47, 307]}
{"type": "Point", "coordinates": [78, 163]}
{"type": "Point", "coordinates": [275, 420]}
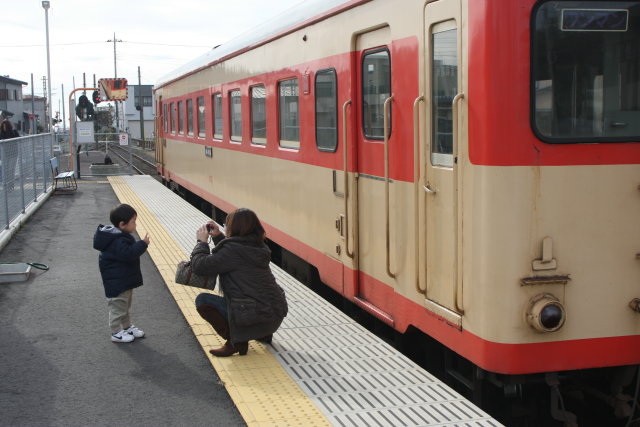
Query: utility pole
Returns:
{"type": "Point", "coordinates": [141, 107]}
{"type": "Point", "coordinates": [115, 74]}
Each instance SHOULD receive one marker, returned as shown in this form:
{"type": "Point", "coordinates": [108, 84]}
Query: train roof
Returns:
{"type": "Point", "coordinates": [297, 16]}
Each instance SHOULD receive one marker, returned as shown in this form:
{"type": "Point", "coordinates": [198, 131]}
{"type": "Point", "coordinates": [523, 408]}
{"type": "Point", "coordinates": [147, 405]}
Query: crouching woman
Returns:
{"type": "Point", "coordinates": [253, 304]}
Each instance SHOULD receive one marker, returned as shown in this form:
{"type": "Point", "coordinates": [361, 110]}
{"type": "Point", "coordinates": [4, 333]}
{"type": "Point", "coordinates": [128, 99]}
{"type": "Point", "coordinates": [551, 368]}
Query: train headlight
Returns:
{"type": "Point", "coordinates": [546, 313]}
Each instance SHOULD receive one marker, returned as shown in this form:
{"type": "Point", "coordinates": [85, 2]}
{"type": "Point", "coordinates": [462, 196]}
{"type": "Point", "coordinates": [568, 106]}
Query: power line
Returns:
{"type": "Point", "coordinates": [52, 44]}
{"type": "Point", "coordinates": [83, 43]}
{"type": "Point", "coordinates": [175, 45]}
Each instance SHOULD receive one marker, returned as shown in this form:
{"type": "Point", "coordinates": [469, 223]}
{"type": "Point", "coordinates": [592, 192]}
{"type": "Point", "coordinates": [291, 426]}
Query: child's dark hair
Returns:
{"type": "Point", "coordinates": [244, 222]}
{"type": "Point", "coordinates": [122, 213]}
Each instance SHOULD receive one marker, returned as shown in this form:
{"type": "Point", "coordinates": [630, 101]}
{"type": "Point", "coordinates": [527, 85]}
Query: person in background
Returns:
{"type": "Point", "coordinates": [7, 131]}
{"type": "Point", "coordinates": [119, 264]}
{"type": "Point", "coordinates": [253, 305]}
{"type": "Point", "coordinates": [9, 152]}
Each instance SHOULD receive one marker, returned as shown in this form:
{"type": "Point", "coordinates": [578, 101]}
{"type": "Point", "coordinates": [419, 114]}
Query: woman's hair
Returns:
{"type": "Point", "coordinates": [244, 222]}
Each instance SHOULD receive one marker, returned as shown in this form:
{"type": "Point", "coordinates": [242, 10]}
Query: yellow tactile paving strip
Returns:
{"type": "Point", "coordinates": [261, 389]}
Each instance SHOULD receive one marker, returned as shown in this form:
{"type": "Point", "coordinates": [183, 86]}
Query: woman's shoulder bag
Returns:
{"type": "Point", "coordinates": [186, 276]}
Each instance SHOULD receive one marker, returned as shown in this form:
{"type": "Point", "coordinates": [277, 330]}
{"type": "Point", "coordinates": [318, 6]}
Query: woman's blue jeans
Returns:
{"type": "Point", "coordinates": [218, 302]}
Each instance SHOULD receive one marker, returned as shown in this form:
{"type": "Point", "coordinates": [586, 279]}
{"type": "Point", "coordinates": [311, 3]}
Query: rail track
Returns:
{"type": "Point", "coordinates": [140, 164]}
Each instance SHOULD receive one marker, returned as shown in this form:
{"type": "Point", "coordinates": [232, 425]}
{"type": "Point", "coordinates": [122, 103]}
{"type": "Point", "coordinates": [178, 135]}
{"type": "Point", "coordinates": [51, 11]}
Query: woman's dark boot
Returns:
{"type": "Point", "coordinates": [229, 349]}
{"type": "Point", "coordinates": [266, 339]}
{"type": "Point", "coordinates": [213, 316]}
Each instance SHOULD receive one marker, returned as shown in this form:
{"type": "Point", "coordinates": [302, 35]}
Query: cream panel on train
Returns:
{"type": "Point", "coordinates": [588, 216]}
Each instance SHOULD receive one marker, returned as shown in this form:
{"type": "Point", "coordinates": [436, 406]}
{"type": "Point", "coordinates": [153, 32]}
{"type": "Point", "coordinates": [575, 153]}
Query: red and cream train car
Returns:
{"type": "Point", "coordinates": [469, 168]}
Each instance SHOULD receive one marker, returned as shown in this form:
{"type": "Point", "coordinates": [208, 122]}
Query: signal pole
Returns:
{"type": "Point", "coordinates": [64, 119]}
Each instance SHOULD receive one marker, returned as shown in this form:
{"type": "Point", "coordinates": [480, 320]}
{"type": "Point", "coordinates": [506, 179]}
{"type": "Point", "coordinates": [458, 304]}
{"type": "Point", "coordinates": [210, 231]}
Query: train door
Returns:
{"type": "Point", "coordinates": [373, 80]}
{"type": "Point", "coordinates": [441, 167]}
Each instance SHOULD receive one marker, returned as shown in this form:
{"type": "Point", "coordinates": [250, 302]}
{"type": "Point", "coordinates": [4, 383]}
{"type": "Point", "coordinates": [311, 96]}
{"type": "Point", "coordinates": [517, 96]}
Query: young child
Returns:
{"type": "Point", "coordinates": [119, 263]}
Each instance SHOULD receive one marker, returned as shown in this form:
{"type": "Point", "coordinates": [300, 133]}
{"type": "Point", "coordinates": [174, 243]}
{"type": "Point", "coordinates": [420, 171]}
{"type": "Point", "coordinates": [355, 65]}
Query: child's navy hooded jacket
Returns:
{"type": "Point", "coordinates": [119, 259]}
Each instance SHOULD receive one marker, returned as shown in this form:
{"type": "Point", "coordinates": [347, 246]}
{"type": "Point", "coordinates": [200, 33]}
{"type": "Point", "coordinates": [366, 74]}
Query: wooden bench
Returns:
{"type": "Point", "coordinates": [63, 182]}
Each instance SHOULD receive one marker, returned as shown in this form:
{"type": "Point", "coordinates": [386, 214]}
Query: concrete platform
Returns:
{"type": "Point", "coordinates": [58, 366]}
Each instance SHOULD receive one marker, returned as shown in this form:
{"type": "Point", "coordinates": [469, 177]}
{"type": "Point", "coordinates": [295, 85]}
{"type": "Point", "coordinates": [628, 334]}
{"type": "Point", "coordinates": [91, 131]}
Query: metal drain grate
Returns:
{"type": "Point", "coordinates": [356, 378]}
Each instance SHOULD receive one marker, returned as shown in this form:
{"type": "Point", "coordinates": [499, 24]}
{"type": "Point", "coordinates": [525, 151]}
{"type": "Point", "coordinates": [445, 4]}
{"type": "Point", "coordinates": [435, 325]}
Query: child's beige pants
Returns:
{"type": "Point", "coordinates": [119, 311]}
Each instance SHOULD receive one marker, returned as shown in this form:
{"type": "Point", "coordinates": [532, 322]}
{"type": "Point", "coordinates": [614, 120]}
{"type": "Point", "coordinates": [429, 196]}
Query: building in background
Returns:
{"type": "Point", "coordinates": [11, 103]}
{"type": "Point", "coordinates": [37, 114]}
{"type": "Point", "coordinates": [132, 111]}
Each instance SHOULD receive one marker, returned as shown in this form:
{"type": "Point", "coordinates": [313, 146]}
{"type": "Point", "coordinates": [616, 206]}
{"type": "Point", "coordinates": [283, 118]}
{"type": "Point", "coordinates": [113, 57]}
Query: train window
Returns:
{"type": "Point", "coordinates": [201, 125]}
{"type": "Point", "coordinates": [444, 87]}
{"type": "Point", "coordinates": [376, 88]}
{"type": "Point", "coordinates": [326, 92]}
{"type": "Point", "coordinates": [586, 71]}
{"type": "Point", "coordinates": [235, 109]}
{"type": "Point", "coordinates": [190, 117]}
{"type": "Point", "coordinates": [174, 125]}
{"type": "Point", "coordinates": [289, 119]}
{"type": "Point", "coordinates": [258, 115]}
{"type": "Point", "coordinates": [180, 118]}
{"type": "Point", "coordinates": [165, 117]}
{"type": "Point", "coordinates": [217, 115]}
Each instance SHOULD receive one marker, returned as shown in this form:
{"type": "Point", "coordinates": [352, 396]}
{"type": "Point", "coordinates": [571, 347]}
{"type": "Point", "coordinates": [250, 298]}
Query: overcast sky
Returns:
{"type": "Point", "coordinates": [157, 35]}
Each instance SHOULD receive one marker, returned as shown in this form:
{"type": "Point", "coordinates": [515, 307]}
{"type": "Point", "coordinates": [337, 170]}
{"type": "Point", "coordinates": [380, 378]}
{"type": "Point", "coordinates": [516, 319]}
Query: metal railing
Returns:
{"type": "Point", "coordinates": [146, 144]}
{"type": "Point", "coordinates": [25, 173]}
{"type": "Point", "coordinates": [92, 157]}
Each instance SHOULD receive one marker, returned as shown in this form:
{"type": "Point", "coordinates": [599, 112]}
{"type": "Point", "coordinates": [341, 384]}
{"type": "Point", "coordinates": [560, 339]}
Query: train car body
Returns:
{"type": "Point", "coordinates": [469, 168]}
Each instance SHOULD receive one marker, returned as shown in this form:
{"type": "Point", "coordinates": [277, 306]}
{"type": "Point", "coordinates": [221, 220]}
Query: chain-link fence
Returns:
{"type": "Point", "coordinates": [25, 173]}
{"type": "Point", "coordinates": [25, 167]}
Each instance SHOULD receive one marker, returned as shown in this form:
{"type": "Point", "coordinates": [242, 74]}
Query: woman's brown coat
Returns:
{"type": "Point", "coordinates": [255, 302]}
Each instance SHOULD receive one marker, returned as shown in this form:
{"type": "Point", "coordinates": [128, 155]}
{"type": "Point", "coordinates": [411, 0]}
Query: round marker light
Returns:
{"type": "Point", "coordinates": [546, 313]}
{"type": "Point", "coordinates": [551, 316]}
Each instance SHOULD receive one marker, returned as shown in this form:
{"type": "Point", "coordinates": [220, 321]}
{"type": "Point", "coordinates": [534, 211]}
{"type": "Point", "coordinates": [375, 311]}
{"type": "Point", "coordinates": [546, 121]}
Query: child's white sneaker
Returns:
{"type": "Point", "coordinates": [132, 330]}
{"type": "Point", "coordinates": [122, 336]}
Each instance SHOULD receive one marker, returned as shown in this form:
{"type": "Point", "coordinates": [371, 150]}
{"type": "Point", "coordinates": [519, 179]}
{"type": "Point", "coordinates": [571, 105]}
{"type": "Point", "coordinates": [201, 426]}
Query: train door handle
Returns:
{"type": "Point", "coordinates": [428, 189]}
{"type": "Point", "coordinates": [349, 253]}
{"type": "Point", "coordinates": [416, 179]}
{"type": "Point", "coordinates": [386, 113]}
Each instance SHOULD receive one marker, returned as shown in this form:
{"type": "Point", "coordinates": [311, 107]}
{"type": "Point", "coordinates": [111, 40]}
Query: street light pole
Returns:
{"type": "Point", "coordinates": [45, 6]}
